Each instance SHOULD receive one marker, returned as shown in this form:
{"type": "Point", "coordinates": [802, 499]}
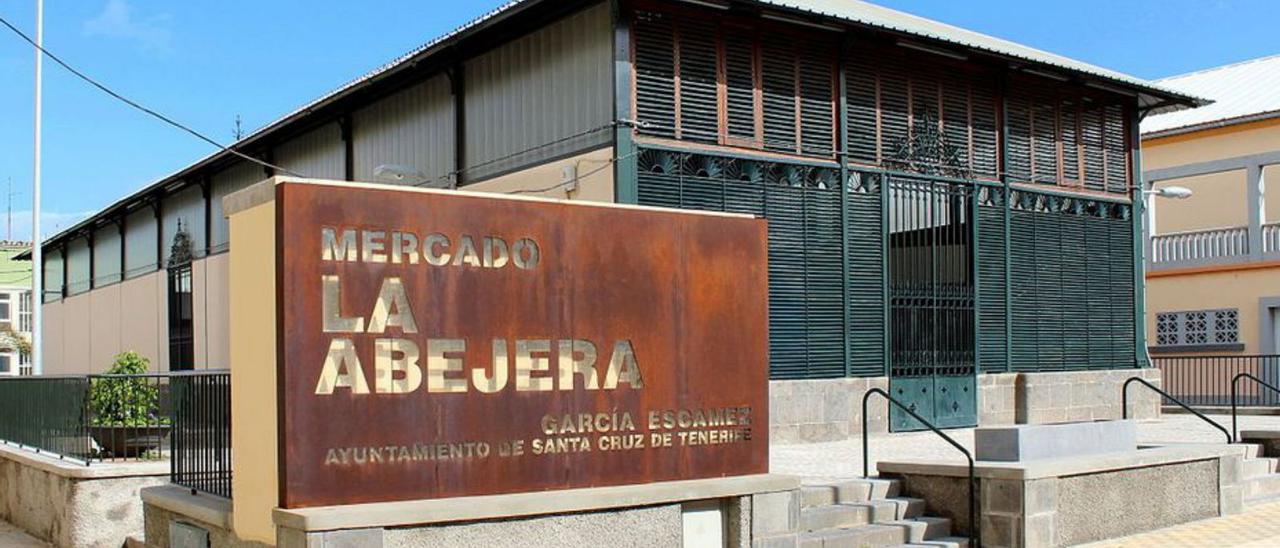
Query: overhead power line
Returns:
{"type": "Point", "coordinates": [138, 106]}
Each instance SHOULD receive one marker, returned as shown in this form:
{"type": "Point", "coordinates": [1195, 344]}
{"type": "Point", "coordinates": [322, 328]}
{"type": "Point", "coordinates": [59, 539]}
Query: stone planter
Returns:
{"type": "Point", "coordinates": [129, 441]}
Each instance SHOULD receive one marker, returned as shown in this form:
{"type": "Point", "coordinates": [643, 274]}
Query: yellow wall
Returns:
{"type": "Point", "coordinates": [1220, 199]}
{"type": "Point", "coordinates": [595, 178]}
{"type": "Point", "coordinates": [212, 318]}
{"type": "Point", "coordinates": [252, 302]}
{"type": "Point", "coordinates": [1239, 289]}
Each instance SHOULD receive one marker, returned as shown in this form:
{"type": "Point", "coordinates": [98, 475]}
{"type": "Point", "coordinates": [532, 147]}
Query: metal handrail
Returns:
{"type": "Point", "coordinates": [1235, 432]}
{"type": "Point", "coordinates": [1124, 404]}
{"type": "Point", "coordinates": [975, 528]}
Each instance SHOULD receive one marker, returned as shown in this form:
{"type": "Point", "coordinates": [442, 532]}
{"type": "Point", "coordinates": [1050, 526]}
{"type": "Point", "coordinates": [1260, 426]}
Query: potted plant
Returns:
{"type": "Point", "coordinates": [125, 409]}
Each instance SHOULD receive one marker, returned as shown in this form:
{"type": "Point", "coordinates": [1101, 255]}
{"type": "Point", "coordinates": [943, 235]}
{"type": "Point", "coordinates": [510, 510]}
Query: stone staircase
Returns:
{"type": "Point", "coordinates": [869, 513]}
{"type": "Point", "coordinates": [1261, 481]}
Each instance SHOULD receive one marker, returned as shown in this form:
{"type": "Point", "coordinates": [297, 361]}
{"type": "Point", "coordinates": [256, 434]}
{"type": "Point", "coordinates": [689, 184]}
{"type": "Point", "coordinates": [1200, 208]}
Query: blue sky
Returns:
{"type": "Point", "coordinates": [204, 63]}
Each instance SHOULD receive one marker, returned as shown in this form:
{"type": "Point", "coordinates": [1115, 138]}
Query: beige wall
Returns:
{"type": "Point", "coordinates": [595, 178]}
{"type": "Point", "coordinates": [212, 318]}
{"type": "Point", "coordinates": [1219, 199]}
{"type": "Point", "coordinates": [1239, 289]}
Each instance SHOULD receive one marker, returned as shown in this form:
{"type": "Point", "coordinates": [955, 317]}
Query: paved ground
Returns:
{"type": "Point", "coordinates": [843, 459]}
{"type": "Point", "coordinates": [1257, 527]}
{"type": "Point", "coordinates": [12, 537]}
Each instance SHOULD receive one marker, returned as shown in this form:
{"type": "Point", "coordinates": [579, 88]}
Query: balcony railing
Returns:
{"type": "Point", "coordinates": [1212, 246]}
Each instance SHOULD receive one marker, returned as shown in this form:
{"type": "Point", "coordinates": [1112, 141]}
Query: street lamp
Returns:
{"type": "Point", "coordinates": [1175, 192]}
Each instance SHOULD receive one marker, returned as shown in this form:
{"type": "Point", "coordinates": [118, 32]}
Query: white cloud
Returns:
{"type": "Point", "coordinates": [118, 20]}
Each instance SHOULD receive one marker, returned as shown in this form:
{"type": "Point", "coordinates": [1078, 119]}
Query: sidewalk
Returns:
{"type": "Point", "coordinates": [1256, 527]}
{"type": "Point", "coordinates": [12, 537]}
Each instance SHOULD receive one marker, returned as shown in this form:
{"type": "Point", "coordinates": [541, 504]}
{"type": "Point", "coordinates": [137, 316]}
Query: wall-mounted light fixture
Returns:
{"type": "Point", "coordinates": [1174, 192]}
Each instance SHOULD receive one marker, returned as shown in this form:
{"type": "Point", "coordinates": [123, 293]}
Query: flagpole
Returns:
{"type": "Point", "coordinates": [37, 255]}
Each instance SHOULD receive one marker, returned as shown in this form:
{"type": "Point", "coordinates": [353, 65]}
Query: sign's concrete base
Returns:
{"type": "Point", "coordinates": [736, 511]}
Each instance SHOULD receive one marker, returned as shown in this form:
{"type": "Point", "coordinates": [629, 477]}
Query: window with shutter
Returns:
{"type": "Point", "coordinates": [1067, 138]}
{"type": "Point", "coordinates": [654, 35]}
{"type": "Point", "coordinates": [698, 105]}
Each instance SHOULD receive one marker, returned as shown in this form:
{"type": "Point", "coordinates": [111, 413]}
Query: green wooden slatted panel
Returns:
{"type": "Point", "coordinates": [1098, 281]}
{"type": "Point", "coordinates": [806, 316]}
{"type": "Point", "coordinates": [1075, 290]}
{"type": "Point", "coordinates": [1023, 285]}
{"type": "Point", "coordinates": [1049, 302]}
{"type": "Point", "coordinates": [1122, 306]}
{"type": "Point", "coordinates": [866, 282]}
{"type": "Point", "coordinates": [992, 283]}
{"type": "Point", "coordinates": [824, 286]}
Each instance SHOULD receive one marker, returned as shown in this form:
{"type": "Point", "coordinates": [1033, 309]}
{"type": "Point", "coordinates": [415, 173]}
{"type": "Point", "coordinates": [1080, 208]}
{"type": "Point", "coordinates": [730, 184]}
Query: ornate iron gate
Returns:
{"type": "Point", "coordinates": [930, 223]}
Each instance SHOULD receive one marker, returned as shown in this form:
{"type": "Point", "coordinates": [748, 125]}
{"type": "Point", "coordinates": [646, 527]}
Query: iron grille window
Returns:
{"type": "Point", "coordinates": [1064, 137]}
{"type": "Point", "coordinates": [1198, 327]}
{"type": "Point", "coordinates": [734, 82]}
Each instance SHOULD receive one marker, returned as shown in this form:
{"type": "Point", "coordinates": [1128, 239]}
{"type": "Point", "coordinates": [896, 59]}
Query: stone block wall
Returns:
{"type": "Point", "coordinates": [1084, 396]}
{"type": "Point", "coordinates": [997, 399]}
{"type": "Point", "coordinates": [68, 504]}
{"type": "Point", "coordinates": [808, 411]}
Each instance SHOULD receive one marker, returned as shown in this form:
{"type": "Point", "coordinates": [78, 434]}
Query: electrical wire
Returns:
{"type": "Point", "coordinates": [578, 178]}
{"type": "Point", "coordinates": [138, 106]}
{"type": "Point", "coordinates": [567, 138]}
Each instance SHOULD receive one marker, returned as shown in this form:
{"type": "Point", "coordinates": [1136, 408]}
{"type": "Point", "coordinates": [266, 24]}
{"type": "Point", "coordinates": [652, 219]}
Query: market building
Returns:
{"type": "Point", "coordinates": [953, 217]}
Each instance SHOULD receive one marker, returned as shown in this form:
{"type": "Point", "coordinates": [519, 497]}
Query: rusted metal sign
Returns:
{"type": "Point", "coordinates": [437, 344]}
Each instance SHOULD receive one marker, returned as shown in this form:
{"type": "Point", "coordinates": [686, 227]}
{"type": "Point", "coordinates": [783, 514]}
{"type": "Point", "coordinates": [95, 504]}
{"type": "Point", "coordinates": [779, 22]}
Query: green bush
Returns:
{"type": "Point", "coordinates": [128, 401]}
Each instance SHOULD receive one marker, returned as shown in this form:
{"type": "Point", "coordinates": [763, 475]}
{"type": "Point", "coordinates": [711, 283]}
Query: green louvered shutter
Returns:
{"type": "Point", "coordinates": [1023, 281]}
{"type": "Point", "coordinates": [992, 282]}
{"type": "Point", "coordinates": [1122, 313]}
{"type": "Point", "coordinates": [802, 204]}
{"type": "Point", "coordinates": [866, 276]}
{"type": "Point", "coordinates": [1098, 284]}
{"type": "Point", "coordinates": [1049, 317]}
{"type": "Point", "coordinates": [1075, 289]}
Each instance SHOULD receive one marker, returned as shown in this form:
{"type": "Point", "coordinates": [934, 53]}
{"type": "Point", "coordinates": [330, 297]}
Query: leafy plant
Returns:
{"type": "Point", "coordinates": [10, 338]}
{"type": "Point", "coordinates": [125, 401]}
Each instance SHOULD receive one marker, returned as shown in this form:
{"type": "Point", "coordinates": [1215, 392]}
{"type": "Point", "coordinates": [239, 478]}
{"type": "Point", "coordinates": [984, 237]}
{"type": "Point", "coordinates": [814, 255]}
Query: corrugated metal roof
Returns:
{"type": "Point", "coordinates": [1242, 92]}
{"type": "Point", "coordinates": [881, 17]}
{"type": "Point", "coordinates": [853, 11]}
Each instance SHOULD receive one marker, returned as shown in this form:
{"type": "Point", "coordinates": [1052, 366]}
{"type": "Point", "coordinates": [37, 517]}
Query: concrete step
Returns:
{"type": "Point", "coordinates": [1262, 486]}
{"type": "Point", "coordinates": [923, 531]}
{"type": "Point", "coordinates": [1256, 467]}
{"type": "Point", "coordinates": [835, 516]}
{"type": "Point", "coordinates": [818, 493]}
{"type": "Point", "coordinates": [1251, 450]}
{"type": "Point", "coordinates": [907, 507]}
{"type": "Point", "coordinates": [924, 528]}
{"type": "Point", "coordinates": [944, 542]}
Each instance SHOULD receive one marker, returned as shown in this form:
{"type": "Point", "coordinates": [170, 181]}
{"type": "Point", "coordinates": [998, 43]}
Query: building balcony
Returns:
{"type": "Point", "coordinates": [1215, 246]}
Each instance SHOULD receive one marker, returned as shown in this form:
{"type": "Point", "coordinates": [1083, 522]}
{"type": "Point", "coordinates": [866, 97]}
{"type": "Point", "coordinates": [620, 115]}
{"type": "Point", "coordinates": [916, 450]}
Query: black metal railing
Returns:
{"type": "Point", "coordinates": [1124, 404]}
{"type": "Point", "coordinates": [201, 440]}
{"type": "Point", "coordinates": [975, 527]}
{"type": "Point", "coordinates": [1235, 381]}
{"type": "Point", "coordinates": [48, 415]}
{"type": "Point", "coordinates": [1207, 380]}
{"type": "Point", "coordinates": [180, 416]}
